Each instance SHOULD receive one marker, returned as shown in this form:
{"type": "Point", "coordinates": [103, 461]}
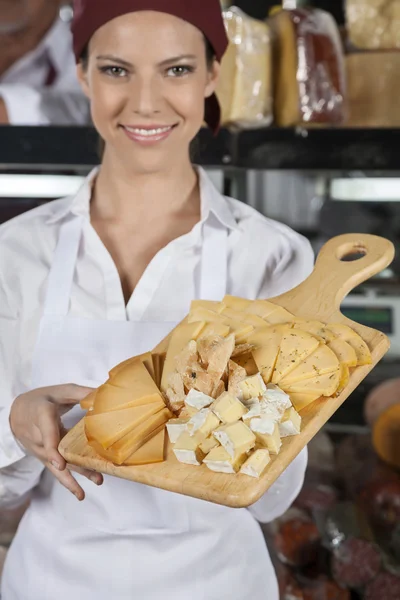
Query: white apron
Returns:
{"type": "Point", "coordinates": [126, 541]}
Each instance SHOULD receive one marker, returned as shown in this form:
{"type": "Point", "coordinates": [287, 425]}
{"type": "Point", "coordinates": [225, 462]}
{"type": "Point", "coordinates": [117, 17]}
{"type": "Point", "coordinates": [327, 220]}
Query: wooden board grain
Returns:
{"type": "Point", "coordinates": [319, 297]}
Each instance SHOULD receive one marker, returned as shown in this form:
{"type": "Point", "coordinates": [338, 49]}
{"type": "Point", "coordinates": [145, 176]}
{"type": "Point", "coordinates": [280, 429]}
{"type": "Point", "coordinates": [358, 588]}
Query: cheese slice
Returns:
{"type": "Point", "coordinates": [88, 402]}
{"type": "Point", "coordinates": [235, 302]}
{"type": "Point", "coordinates": [281, 315]}
{"type": "Point", "coordinates": [324, 385]}
{"type": "Point", "coordinates": [267, 342]}
{"type": "Point", "coordinates": [180, 338]}
{"type": "Point", "coordinates": [321, 361]}
{"type": "Point", "coordinates": [175, 427]}
{"type": "Point", "coordinates": [214, 329]}
{"type": "Point", "coordinates": [317, 328]}
{"type": "Point", "coordinates": [302, 400]}
{"type": "Point", "coordinates": [228, 408]}
{"type": "Point", "coordinates": [261, 308]}
{"type": "Point", "coordinates": [137, 437]}
{"type": "Point", "coordinates": [257, 463]}
{"type": "Point", "coordinates": [220, 461]}
{"type": "Point", "coordinates": [344, 332]}
{"type": "Point", "coordinates": [236, 438]}
{"type": "Point", "coordinates": [344, 377]}
{"type": "Point", "coordinates": [243, 317]}
{"type": "Point", "coordinates": [208, 304]}
{"type": "Point", "coordinates": [345, 353]}
{"type": "Point", "coordinates": [240, 329]}
{"type": "Point", "coordinates": [187, 449]}
{"type": "Point", "coordinates": [151, 452]}
{"type": "Point", "coordinates": [290, 423]}
{"type": "Point", "coordinates": [295, 346]}
{"type": "Point", "coordinates": [108, 428]}
{"type": "Point", "coordinates": [110, 398]}
{"type": "Point", "coordinates": [146, 359]}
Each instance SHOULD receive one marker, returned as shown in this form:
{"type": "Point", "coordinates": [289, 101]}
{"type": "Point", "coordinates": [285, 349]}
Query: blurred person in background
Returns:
{"type": "Point", "coordinates": [38, 84]}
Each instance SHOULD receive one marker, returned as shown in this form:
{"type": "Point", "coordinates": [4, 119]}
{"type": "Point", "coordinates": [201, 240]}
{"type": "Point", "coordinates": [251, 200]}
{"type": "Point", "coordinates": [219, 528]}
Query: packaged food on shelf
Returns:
{"type": "Point", "coordinates": [308, 68]}
{"type": "Point", "coordinates": [373, 24]}
{"type": "Point", "coordinates": [245, 85]}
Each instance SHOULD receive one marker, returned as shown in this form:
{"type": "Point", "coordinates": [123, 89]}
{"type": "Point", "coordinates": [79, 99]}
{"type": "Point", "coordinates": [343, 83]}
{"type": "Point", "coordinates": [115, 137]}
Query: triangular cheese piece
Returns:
{"type": "Point", "coordinates": [110, 398]}
{"type": "Point", "coordinates": [146, 359]}
{"type": "Point", "coordinates": [134, 375]}
{"type": "Point", "coordinates": [247, 362]}
{"type": "Point", "coordinates": [88, 402]}
{"type": "Point", "coordinates": [151, 452]}
{"type": "Point", "coordinates": [208, 304]}
{"type": "Point", "coordinates": [235, 302]}
{"type": "Point", "coordinates": [267, 342]}
{"type": "Point", "coordinates": [316, 328]}
{"type": "Point", "coordinates": [180, 338]}
{"type": "Point", "coordinates": [347, 334]}
{"type": "Point", "coordinates": [324, 385]}
{"type": "Point", "coordinates": [108, 428]}
{"type": "Point", "coordinates": [321, 361]}
{"type": "Point", "coordinates": [281, 315]}
{"type": "Point", "coordinates": [302, 400]}
{"type": "Point", "coordinates": [261, 308]}
{"type": "Point", "coordinates": [344, 377]}
{"type": "Point", "coordinates": [212, 329]}
{"type": "Point", "coordinates": [295, 346]}
{"type": "Point", "coordinates": [345, 353]}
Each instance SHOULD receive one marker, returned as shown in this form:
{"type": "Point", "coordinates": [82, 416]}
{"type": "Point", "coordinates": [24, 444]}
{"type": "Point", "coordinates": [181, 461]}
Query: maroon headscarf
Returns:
{"type": "Point", "coordinates": [90, 15]}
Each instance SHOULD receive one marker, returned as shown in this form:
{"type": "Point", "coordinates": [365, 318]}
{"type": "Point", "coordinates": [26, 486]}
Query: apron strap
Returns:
{"type": "Point", "coordinates": [214, 260]}
{"type": "Point", "coordinates": [62, 270]}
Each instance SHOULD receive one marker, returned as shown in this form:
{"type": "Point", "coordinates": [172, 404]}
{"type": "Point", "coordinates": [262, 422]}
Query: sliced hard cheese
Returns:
{"type": "Point", "coordinates": [324, 385]}
{"type": "Point", "coordinates": [220, 461]}
{"type": "Point", "coordinates": [235, 438]}
{"type": "Point", "coordinates": [180, 338]}
{"type": "Point", "coordinates": [345, 353]}
{"type": "Point", "coordinates": [236, 303]}
{"type": "Point", "coordinates": [243, 317]}
{"type": "Point", "coordinates": [241, 330]}
{"type": "Point", "coordinates": [321, 361]}
{"type": "Point", "coordinates": [257, 463]}
{"type": "Point", "coordinates": [281, 315]}
{"type": "Point", "coordinates": [108, 428]}
{"type": "Point", "coordinates": [295, 346]}
{"type": "Point", "coordinates": [151, 452]}
{"type": "Point", "coordinates": [316, 328]}
{"type": "Point", "coordinates": [267, 342]}
{"type": "Point", "coordinates": [261, 308]}
{"type": "Point", "coordinates": [136, 438]}
{"type": "Point", "coordinates": [88, 402]}
{"type": "Point", "coordinates": [356, 342]}
{"type": "Point", "coordinates": [175, 427]}
{"type": "Point", "coordinates": [302, 400]}
{"type": "Point", "coordinates": [187, 449]}
{"type": "Point", "coordinates": [290, 424]}
{"type": "Point", "coordinates": [344, 377]}
{"type": "Point", "coordinates": [110, 398]}
{"type": "Point", "coordinates": [146, 359]}
{"type": "Point", "coordinates": [228, 408]}
{"type": "Point", "coordinates": [209, 304]}
{"type": "Point", "coordinates": [212, 329]}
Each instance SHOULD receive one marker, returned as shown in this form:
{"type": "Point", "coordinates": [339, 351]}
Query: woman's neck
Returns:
{"type": "Point", "coordinates": [123, 196]}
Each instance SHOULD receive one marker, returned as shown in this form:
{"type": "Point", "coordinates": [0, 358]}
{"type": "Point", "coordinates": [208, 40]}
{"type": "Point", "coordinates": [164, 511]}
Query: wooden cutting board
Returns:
{"type": "Point", "coordinates": [319, 297]}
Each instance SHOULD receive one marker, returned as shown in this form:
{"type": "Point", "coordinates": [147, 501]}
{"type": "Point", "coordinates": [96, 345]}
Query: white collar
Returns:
{"type": "Point", "coordinates": [211, 201]}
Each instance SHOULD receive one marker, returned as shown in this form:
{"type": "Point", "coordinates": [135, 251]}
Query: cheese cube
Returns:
{"type": "Point", "coordinates": [175, 427]}
{"type": "Point", "coordinates": [252, 387]}
{"type": "Point", "coordinates": [203, 423]}
{"type": "Point", "coordinates": [275, 402]}
{"type": "Point", "coordinates": [209, 444]}
{"type": "Point", "coordinates": [253, 407]}
{"type": "Point", "coordinates": [290, 424]}
{"type": "Point", "coordinates": [228, 408]}
{"type": "Point", "coordinates": [220, 461]}
{"type": "Point", "coordinates": [235, 438]}
{"type": "Point", "coordinates": [256, 464]}
{"type": "Point", "coordinates": [267, 433]}
{"type": "Point", "coordinates": [198, 400]}
{"type": "Point", "coordinates": [187, 449]}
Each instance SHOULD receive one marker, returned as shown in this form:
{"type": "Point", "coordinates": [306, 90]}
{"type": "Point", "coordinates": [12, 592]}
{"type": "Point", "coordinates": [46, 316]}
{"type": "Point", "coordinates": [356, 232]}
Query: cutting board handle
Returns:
{"type": "Point", "coordinates": [337, 272]}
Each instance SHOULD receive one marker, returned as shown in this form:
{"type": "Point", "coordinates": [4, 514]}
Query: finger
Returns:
{"type": "Point", "coordinates": [70, 393]}
{"type": "Point", "coordinates": [95, 477]}
{"type": "Point", "coordinates": [68, 481]}
{"type": "Point", "coordinates": [49, 425]}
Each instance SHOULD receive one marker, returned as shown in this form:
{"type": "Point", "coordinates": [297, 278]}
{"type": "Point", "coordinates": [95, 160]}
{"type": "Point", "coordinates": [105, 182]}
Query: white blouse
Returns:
{"type": "Point", "coordinates": [265, 259]}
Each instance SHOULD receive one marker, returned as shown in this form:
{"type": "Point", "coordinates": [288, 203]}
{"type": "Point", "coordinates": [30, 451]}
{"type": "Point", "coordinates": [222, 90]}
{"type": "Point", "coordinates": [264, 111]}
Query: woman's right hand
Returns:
{"type": "Point", "coordinates": [35, 421]}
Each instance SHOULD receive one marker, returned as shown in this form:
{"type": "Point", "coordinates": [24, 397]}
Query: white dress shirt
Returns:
{"type": "Point", "coordinates": [23, 86]}
{"type": "Point", "coordinates": [265, 259]}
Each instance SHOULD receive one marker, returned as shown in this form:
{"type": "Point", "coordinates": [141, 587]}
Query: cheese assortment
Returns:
{"type": "Point", "coordinates": [231, 385]}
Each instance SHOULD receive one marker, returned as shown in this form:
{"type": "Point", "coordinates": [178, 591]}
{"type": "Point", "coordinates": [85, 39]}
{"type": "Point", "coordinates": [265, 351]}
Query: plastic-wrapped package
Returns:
{"type": "Point", "coordinates": [372, 91]}
{"type": "Point", "coordinates": [309, 68]}
{"type": "Point", "coordinates": [245, 86]}
{"type": "Point", "coordinates": [374, 24]}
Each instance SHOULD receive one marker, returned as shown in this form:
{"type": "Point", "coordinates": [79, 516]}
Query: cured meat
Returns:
{"type": "Point", "coordinates": [355, 563]}
{"type": "Point", "coordinates": [297, 542]}
{"type": "Point", "coordinates": [384, 587]}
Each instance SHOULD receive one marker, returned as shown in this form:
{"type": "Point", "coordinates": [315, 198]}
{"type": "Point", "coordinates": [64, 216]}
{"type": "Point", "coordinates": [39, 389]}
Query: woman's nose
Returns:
{"type": "Point", "coordinates": [146, 97]}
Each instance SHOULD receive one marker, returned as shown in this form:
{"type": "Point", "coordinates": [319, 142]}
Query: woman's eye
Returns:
{"type": "Point", "coordinates": [114, 71]}
{"type": "Point", "coordinates": [180, 71]}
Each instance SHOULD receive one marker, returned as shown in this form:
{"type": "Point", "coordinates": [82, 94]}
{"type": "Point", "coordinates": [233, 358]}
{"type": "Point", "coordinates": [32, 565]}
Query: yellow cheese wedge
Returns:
{"type": "Point", "coordinates": [345, 353]}
{"type": "Point", "coordinates": [237, 327]}
{"type": "Point", "coordinates": [302, 400]}
{"type": "Point", "coordinates": [137, 437]}
{"type": "Point", "coordinates": [235, 302]}
{"type": "Point", "coordinates": [151, 452]}
{"type": "Point", "coordinates": [281, 315]}
{"type": "Point", "coordinates": [295, 346]}
{"type": "Point", "coordinates": [324, 385]}
{"type": "Point", "coordinates": [88, 402]}
{"type": "Point", "coordinates": [261, 308]}
{"type": "Point", "coordinates": [214, 329]}
{"type": "Point", "coordinates": [267, 342]}
{"type": "Point", "coordinates": [321, 361]}
{"type": "Point", "coordinates": [317, 328]}
{"type": "Point", "coordinates": [356, 342]}
{"type": "Point", "coordinates": [110, 398]}
{"type": "Point", "coordinates": [344, 377]}
{"type": "Point", "coordinates": [208, 304]}
{"type": "Point", "coordinates": [243, 317]}
{"type": "Point", "coordinates": [180, 338]}
{"type": "Point", "coordinates": [146, 359]}
{"type": "Point", "coordinates": [108, 428]}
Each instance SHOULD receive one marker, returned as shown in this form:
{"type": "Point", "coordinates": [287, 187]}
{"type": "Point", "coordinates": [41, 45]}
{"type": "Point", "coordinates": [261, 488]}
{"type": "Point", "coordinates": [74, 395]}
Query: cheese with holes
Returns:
{"type": "Point", "coordinates": [228, 408]}
{"type": "Point", "coordinates": [107, 428]}
{"type": "Point", "coordinates": [321, 361]}
{"type": "Point", "coordinates": [345, 353]}
{"type": "Point", "coordinates": [236, 438]}
{"type": "Point", "coordinates": [208, 444]}
{"type": "Point", "coordinates": [290, 423]}
{"type": "Point", "coordinates": [257, 463]}
{"type": "Point", "coordinates": [203, 423]}
{"type": "Point", "coordinates": [267, 433]}
{"type": "Point", "coordinates": [175, 427]}
{"type": "Point", "coordinates": [151, 452]}
{"type": "Point", "coordinates": [325, 385]}
{"type": "Point", "coordinates": [220, 461]}
{"type": "Point", "coordinates": [294, 348]}
{"type": "Point", "coordinates": [187, 449]}
{"type": "Point", "coordinates": [180, 338]}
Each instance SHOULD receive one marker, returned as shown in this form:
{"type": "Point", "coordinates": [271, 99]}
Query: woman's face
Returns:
{"type": "Point", "coordinates": [147, 78]}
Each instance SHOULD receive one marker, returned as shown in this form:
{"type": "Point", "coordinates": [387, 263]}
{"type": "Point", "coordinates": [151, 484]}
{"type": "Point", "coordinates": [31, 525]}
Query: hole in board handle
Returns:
{"type": "Point", "coordinates": [351, 252]}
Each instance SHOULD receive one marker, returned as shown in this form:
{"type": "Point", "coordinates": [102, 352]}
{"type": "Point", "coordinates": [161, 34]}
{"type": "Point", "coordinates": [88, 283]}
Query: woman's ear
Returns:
{"type": "Point", "coordinates": [82, 74]}
{"type": "Point", "coordinates": [213, 78]}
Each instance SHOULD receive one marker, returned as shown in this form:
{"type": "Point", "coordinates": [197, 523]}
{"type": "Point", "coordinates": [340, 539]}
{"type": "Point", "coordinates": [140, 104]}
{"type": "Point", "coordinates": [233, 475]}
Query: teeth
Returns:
{"type": "Point", "coordinates": [148, 132]}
